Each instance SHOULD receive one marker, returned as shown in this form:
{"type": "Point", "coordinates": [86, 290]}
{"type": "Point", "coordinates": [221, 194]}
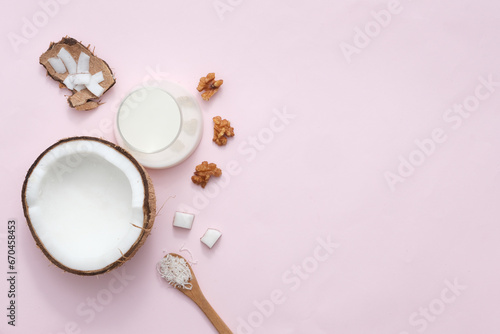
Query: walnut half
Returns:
{"type": "Point", "coordinates": [222, 130]}
{"type": "Point", "coordinates": [203, 172]}
{"type": "Point", "coordinates": [209, 85]}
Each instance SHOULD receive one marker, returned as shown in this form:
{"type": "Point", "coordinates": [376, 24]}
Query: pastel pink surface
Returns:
{"type": "Point", "coordinates": [315, 238]}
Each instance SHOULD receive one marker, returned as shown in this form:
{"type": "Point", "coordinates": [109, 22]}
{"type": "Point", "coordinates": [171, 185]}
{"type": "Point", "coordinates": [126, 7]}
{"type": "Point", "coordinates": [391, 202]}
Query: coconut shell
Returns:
{"type": "Point", "coordinates": [149, 208]}
{"type": "Point", "coordinates": [80, 100]}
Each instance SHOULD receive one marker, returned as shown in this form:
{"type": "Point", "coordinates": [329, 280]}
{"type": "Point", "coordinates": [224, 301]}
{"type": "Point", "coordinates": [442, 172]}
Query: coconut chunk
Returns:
{"type": "Point", "coordinates": [57, 64]}
{"type": "Point", "coordinates": [68, 60]}
{"type": "Point", "coordinates": [68, 82]}
{"type": "Point", "coordinates": [210, 237]}
{"type": "Point", "coordinates": [83, 63]}
{"type": "Point", "coordinates": [183, 220]}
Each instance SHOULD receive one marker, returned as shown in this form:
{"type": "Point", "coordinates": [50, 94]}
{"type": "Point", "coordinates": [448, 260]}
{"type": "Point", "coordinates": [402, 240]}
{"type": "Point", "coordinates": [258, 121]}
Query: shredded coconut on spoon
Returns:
{"type": "Point", "coordinates": [175, 271]}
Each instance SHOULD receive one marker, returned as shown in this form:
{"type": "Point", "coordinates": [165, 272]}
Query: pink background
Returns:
{"type": "Point", "coordinates": [319, 175]}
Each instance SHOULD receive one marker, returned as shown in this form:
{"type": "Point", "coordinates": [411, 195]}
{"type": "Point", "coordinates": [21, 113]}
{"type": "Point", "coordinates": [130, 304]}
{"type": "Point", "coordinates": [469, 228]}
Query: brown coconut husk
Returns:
{"type": "Point", "coordinates": [84, 99]}
{"type": "Point", "coordinates": [149, 209]}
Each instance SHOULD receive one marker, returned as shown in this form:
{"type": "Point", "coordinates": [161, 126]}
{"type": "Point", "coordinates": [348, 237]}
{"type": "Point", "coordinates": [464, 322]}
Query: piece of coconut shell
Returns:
{"type": "Point", "coordinates": [149, 208]}
{"type": "Point", "coordinates": [80, 100]}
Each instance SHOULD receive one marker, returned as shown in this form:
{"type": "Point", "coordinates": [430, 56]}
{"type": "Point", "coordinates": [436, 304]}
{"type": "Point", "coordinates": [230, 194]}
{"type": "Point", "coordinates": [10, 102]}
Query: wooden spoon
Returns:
{"type": "Point", "coordinates": [197, 296]}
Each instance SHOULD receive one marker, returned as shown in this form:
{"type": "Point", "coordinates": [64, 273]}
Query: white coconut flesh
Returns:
{"type": "Point", "coordinates": [88, 204]}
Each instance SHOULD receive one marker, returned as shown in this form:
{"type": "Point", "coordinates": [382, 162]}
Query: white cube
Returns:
{"type": "Point", "coordinates": [183, 220]}
{"type": "Point", "coordinates": [210, 237]}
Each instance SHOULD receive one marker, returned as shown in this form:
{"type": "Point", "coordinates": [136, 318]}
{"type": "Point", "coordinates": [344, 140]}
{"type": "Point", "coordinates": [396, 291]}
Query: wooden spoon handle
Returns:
{"type": "Point", "coordinates": [197, 296]}
{"type": "Point", "coordinates": [214, 318]}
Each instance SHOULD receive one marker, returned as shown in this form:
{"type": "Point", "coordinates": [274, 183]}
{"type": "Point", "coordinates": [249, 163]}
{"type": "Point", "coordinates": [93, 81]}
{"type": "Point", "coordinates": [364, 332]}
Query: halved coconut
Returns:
{"type": "Point", "coordinates": [89, 205]}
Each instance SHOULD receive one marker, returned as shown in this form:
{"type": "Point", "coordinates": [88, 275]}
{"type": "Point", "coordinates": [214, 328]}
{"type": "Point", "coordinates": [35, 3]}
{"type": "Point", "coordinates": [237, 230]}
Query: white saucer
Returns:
{"type": "Point", "coordinates": [183, 125]}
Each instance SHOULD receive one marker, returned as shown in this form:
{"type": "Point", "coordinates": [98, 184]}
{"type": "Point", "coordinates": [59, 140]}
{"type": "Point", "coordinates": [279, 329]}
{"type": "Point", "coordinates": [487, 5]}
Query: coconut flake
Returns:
{"type": "Point", "coordinates": [79, 87]}
{"type": "Point", "coordinates": [98, 77]}
{"type": "Point", "coordinates": [210, 237]}
{"type": "Point", "coordinates": [95, 88]}
{"type": "Point", "coordinates": [83, 63]}
{"type": "Point", "coordinates": [68, 82]}
{"type": "Point", "coordinates": [81, 79]}
{"type": "Point", "coordinates": [57, 65]}
{"type": "Point", "coordinates": [175, 271]}
{"type": "Point", "coordinates": [68, 61]}
{"type": "Point", "coordinates": [183, 220]}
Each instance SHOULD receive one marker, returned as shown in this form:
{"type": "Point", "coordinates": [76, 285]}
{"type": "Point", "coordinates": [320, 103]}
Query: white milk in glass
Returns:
{"type": "Point", "coordinates": [149, 120]}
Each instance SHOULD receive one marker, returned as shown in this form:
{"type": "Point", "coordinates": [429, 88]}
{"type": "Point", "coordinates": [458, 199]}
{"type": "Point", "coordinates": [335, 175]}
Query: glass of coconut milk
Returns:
{"type": "Point", "coordinates": [160, 125]}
